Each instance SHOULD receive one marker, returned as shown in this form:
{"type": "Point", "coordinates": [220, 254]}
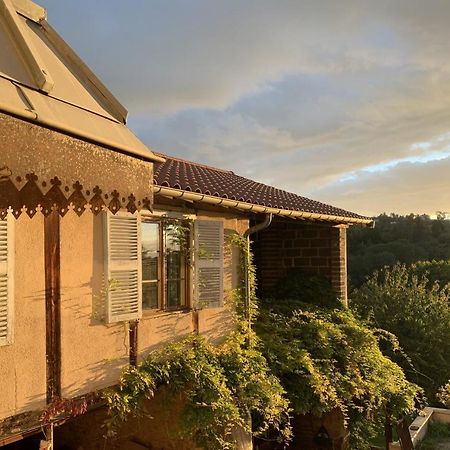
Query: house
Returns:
{"type": "Point", "coordinates": [96, 232]}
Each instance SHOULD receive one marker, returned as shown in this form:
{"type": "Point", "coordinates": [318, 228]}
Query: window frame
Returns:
{"type": "Point", "coordinates": [185, 285]}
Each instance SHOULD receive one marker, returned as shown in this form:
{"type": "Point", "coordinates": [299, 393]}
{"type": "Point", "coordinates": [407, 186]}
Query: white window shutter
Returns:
{"type": "Point", "coordinates": [123, 267]}
{"type": "Point", "coordinates": [6, 280]}
{"type": "Point", "coordinates": [208, 236]}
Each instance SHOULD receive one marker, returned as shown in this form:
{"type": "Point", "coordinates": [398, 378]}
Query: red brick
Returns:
{"type": "Point", "coordinates": [288, 262]}
{"type": "Point", "coordinates": [323, 243]}
{"type": "Point", "coordinates": [301, 262]}
{"type": "Point", "coordinates": [319, 262]}
{"type": "Point", "coordinates": [309, 233]}
{"type": "Point", "coordinates": [309, 252]}
{"type": "Point", "coordinates": [288, 244]}
{"type": "Point", "coordinates": [302, 242]}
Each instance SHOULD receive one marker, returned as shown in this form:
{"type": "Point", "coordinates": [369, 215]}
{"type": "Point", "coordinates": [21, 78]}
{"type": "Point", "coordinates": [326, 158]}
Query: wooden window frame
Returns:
{"type": "Point", "coordinates": [163, 221]}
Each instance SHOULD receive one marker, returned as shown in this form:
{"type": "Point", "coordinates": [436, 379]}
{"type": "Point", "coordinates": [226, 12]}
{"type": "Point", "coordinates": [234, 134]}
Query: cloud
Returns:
{"type": "Point", "coordinates": [298, 94]}
{"type": "Point", "coordinates": [406, 188]}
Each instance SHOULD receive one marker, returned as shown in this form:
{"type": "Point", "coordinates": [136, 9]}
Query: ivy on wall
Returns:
{"type": "Point", "coordinates": [303, 358]}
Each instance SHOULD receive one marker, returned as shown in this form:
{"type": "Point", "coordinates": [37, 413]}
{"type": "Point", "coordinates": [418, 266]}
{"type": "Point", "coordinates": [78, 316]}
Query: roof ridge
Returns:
{"type": "Point", "coordinates": [175, 158]}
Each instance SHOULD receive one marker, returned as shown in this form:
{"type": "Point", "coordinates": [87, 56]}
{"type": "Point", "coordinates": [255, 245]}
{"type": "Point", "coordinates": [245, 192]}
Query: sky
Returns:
{"type": "Point", "coordinates": [346, 102]}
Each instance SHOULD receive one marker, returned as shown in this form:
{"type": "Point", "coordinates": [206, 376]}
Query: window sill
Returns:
{"type": "Point", "coordinates": [151, 313]}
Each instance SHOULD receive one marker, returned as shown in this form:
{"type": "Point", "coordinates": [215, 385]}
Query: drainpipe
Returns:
{"type": "Point", "coordinates": [259, 227]}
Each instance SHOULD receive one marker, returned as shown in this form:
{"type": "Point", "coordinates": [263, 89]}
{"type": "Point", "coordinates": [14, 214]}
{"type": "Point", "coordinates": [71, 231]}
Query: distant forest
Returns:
{"type": "Point", "coordinates": [395, 238]}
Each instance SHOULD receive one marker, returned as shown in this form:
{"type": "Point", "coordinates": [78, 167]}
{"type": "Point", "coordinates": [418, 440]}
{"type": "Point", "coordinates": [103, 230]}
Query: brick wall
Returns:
{"type": "Point", "coordinates": [312, 248]}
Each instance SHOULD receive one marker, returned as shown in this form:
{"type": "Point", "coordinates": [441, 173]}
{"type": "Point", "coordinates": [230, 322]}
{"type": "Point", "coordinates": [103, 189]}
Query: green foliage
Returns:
{"type": "Point", "coordinates": [435, 271]}
{"type": "Point", "coordinates": [437, 433]}
{"type": "Point", "coordinates": [327, 359]}
{"type": "Point", "coordinates": [299, 288]}
{"type": "Point", "coordinates": [418, 313]}
{"type": "Point", "coordinates": [220, 386]}
{"type": "Point", "coordinates": [405, 239]}
{"type": "Point", "coordinates": [444, 395]}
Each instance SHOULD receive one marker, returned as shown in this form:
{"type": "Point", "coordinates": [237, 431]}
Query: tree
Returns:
{"type": "Point", "coordinates": [402, 301]}
{"type": "Point", "coordinates": [404, 239]}
{"type": "Point", "coordinates": [326, 358]}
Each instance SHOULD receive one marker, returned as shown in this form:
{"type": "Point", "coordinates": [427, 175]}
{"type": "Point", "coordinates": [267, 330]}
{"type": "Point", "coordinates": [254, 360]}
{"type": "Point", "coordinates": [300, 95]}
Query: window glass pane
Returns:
{"type": "Point", "coordinates": [150, 295]}
{"type": "Point", "coordinates": [173, 238]}
{"type": "Point", "coordinates": [150, 251]}
{"type": "Point", "coordinates": [174, 293]}
{"type": "Point", "coordinates": [173, 261]}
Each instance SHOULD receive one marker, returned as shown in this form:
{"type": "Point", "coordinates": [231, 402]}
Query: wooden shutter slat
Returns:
{"type": "Point", "coordinates": [6, 280]}
{"type": "Point", "coordinates": [208, 263]}
{"type": "Point", "coordinates": [123, 260]}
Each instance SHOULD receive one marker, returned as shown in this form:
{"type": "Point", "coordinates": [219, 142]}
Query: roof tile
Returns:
{"type": "Point", "coordinates": [190, 176]}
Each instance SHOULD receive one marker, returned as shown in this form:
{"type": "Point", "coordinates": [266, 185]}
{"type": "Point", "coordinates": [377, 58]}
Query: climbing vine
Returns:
{"type": "Point", "coordinates": [327, 359]}
{"type": "Point", "coordinates": [299, 358]}
{"type": "Point", "coordinates": [221, 387]}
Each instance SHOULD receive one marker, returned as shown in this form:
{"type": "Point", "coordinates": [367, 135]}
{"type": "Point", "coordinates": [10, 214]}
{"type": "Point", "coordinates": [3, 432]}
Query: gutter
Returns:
{"type": "Point", "coordinates": [258, 227]}
{"type": "Point", "coordinates": [250, 207]}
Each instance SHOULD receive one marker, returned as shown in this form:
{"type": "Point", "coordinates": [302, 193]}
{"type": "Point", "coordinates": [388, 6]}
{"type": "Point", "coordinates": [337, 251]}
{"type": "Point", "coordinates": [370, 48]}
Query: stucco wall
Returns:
{"type": "Point", "coordinates": [93, 354]}
{"type": "Point", "coordinates": [22, 364]}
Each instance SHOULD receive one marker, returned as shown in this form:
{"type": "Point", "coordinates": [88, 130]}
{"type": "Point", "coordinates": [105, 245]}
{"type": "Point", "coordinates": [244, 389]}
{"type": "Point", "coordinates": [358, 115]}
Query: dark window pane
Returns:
{"type": "Point", "coordinates": [173, 262]}
{"type": "Point", "coordinates": [174, 293]}
{"type": "Point", "coordinates": [150, 250]}
{"type": "Point", "coordinates": [150, 295]}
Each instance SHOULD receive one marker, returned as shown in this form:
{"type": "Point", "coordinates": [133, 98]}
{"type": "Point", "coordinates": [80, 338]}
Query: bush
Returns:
{"type": "Point", "coordinates": [444, 395]}
{"type": "Point", "coordinates": [220, 386]}
{"type": "Point", "coordinates": [406, 304]}
{"type": "Point", "coordinates": [328, 359]}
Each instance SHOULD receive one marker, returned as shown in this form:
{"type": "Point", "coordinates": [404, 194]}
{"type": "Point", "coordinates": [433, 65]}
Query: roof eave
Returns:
{"type": "Point", "coordinates": [47, 122]}
{"type": "Point", "coordinates": [251, 207]}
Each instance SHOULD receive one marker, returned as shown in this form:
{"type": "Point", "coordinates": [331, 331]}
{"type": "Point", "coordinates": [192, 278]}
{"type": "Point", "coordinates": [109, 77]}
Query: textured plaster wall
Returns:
{"type": "Point", "coordinates": [22, 364]}
{"type": "Point", "coordinates": [29, 148]}
{"type": "Point", "coordinates": [93, 353]}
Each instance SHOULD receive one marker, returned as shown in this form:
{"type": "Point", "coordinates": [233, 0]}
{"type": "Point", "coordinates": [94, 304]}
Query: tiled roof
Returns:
{"type": "Point", "coordinates": [198, 178]}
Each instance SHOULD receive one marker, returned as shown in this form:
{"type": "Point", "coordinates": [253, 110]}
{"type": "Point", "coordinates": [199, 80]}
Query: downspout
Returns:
{"type": "Point", "coordinates": [259, 227]}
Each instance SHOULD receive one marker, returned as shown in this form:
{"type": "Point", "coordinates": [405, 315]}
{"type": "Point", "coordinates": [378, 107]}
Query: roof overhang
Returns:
{"type": "Point", "coordinates": [43, 81]}
{"type": "Point", "coordinates": [260, 209]}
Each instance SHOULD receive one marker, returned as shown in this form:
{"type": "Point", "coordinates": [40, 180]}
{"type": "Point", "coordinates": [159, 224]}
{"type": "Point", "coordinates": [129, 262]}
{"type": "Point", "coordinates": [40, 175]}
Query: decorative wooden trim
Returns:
{"type": "Point", "coordinates": [53, 304]}
{"type": "Point", "coordinates": [47, 195]}
{"type": "Point", "coordinates": [21, 426]}
{"type": "Point", "coordinates": [134, 328]}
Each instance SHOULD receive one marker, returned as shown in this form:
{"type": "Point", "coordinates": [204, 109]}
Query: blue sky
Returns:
{"type": "Point", "coordinates": [346, 102]}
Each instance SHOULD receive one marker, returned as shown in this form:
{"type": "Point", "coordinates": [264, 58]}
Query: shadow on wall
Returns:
{"type": "Point", "coordinates": [155, 431]}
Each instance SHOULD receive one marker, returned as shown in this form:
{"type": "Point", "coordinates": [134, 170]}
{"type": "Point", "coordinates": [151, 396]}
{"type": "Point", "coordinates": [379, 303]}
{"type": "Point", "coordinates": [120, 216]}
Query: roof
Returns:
{"type": "Point", "coordinates": [201, 182]}
{"type": "Point", "coordinates": [44, 81]}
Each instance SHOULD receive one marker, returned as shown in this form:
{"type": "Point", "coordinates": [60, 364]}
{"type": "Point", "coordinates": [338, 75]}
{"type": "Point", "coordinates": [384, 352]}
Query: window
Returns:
{"type": "Point", "coordinates": [6, 280]}
{"type": "Point", "coordinates": [147, 265]}
{"type": "Point", "coordinates": [164, 265]}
